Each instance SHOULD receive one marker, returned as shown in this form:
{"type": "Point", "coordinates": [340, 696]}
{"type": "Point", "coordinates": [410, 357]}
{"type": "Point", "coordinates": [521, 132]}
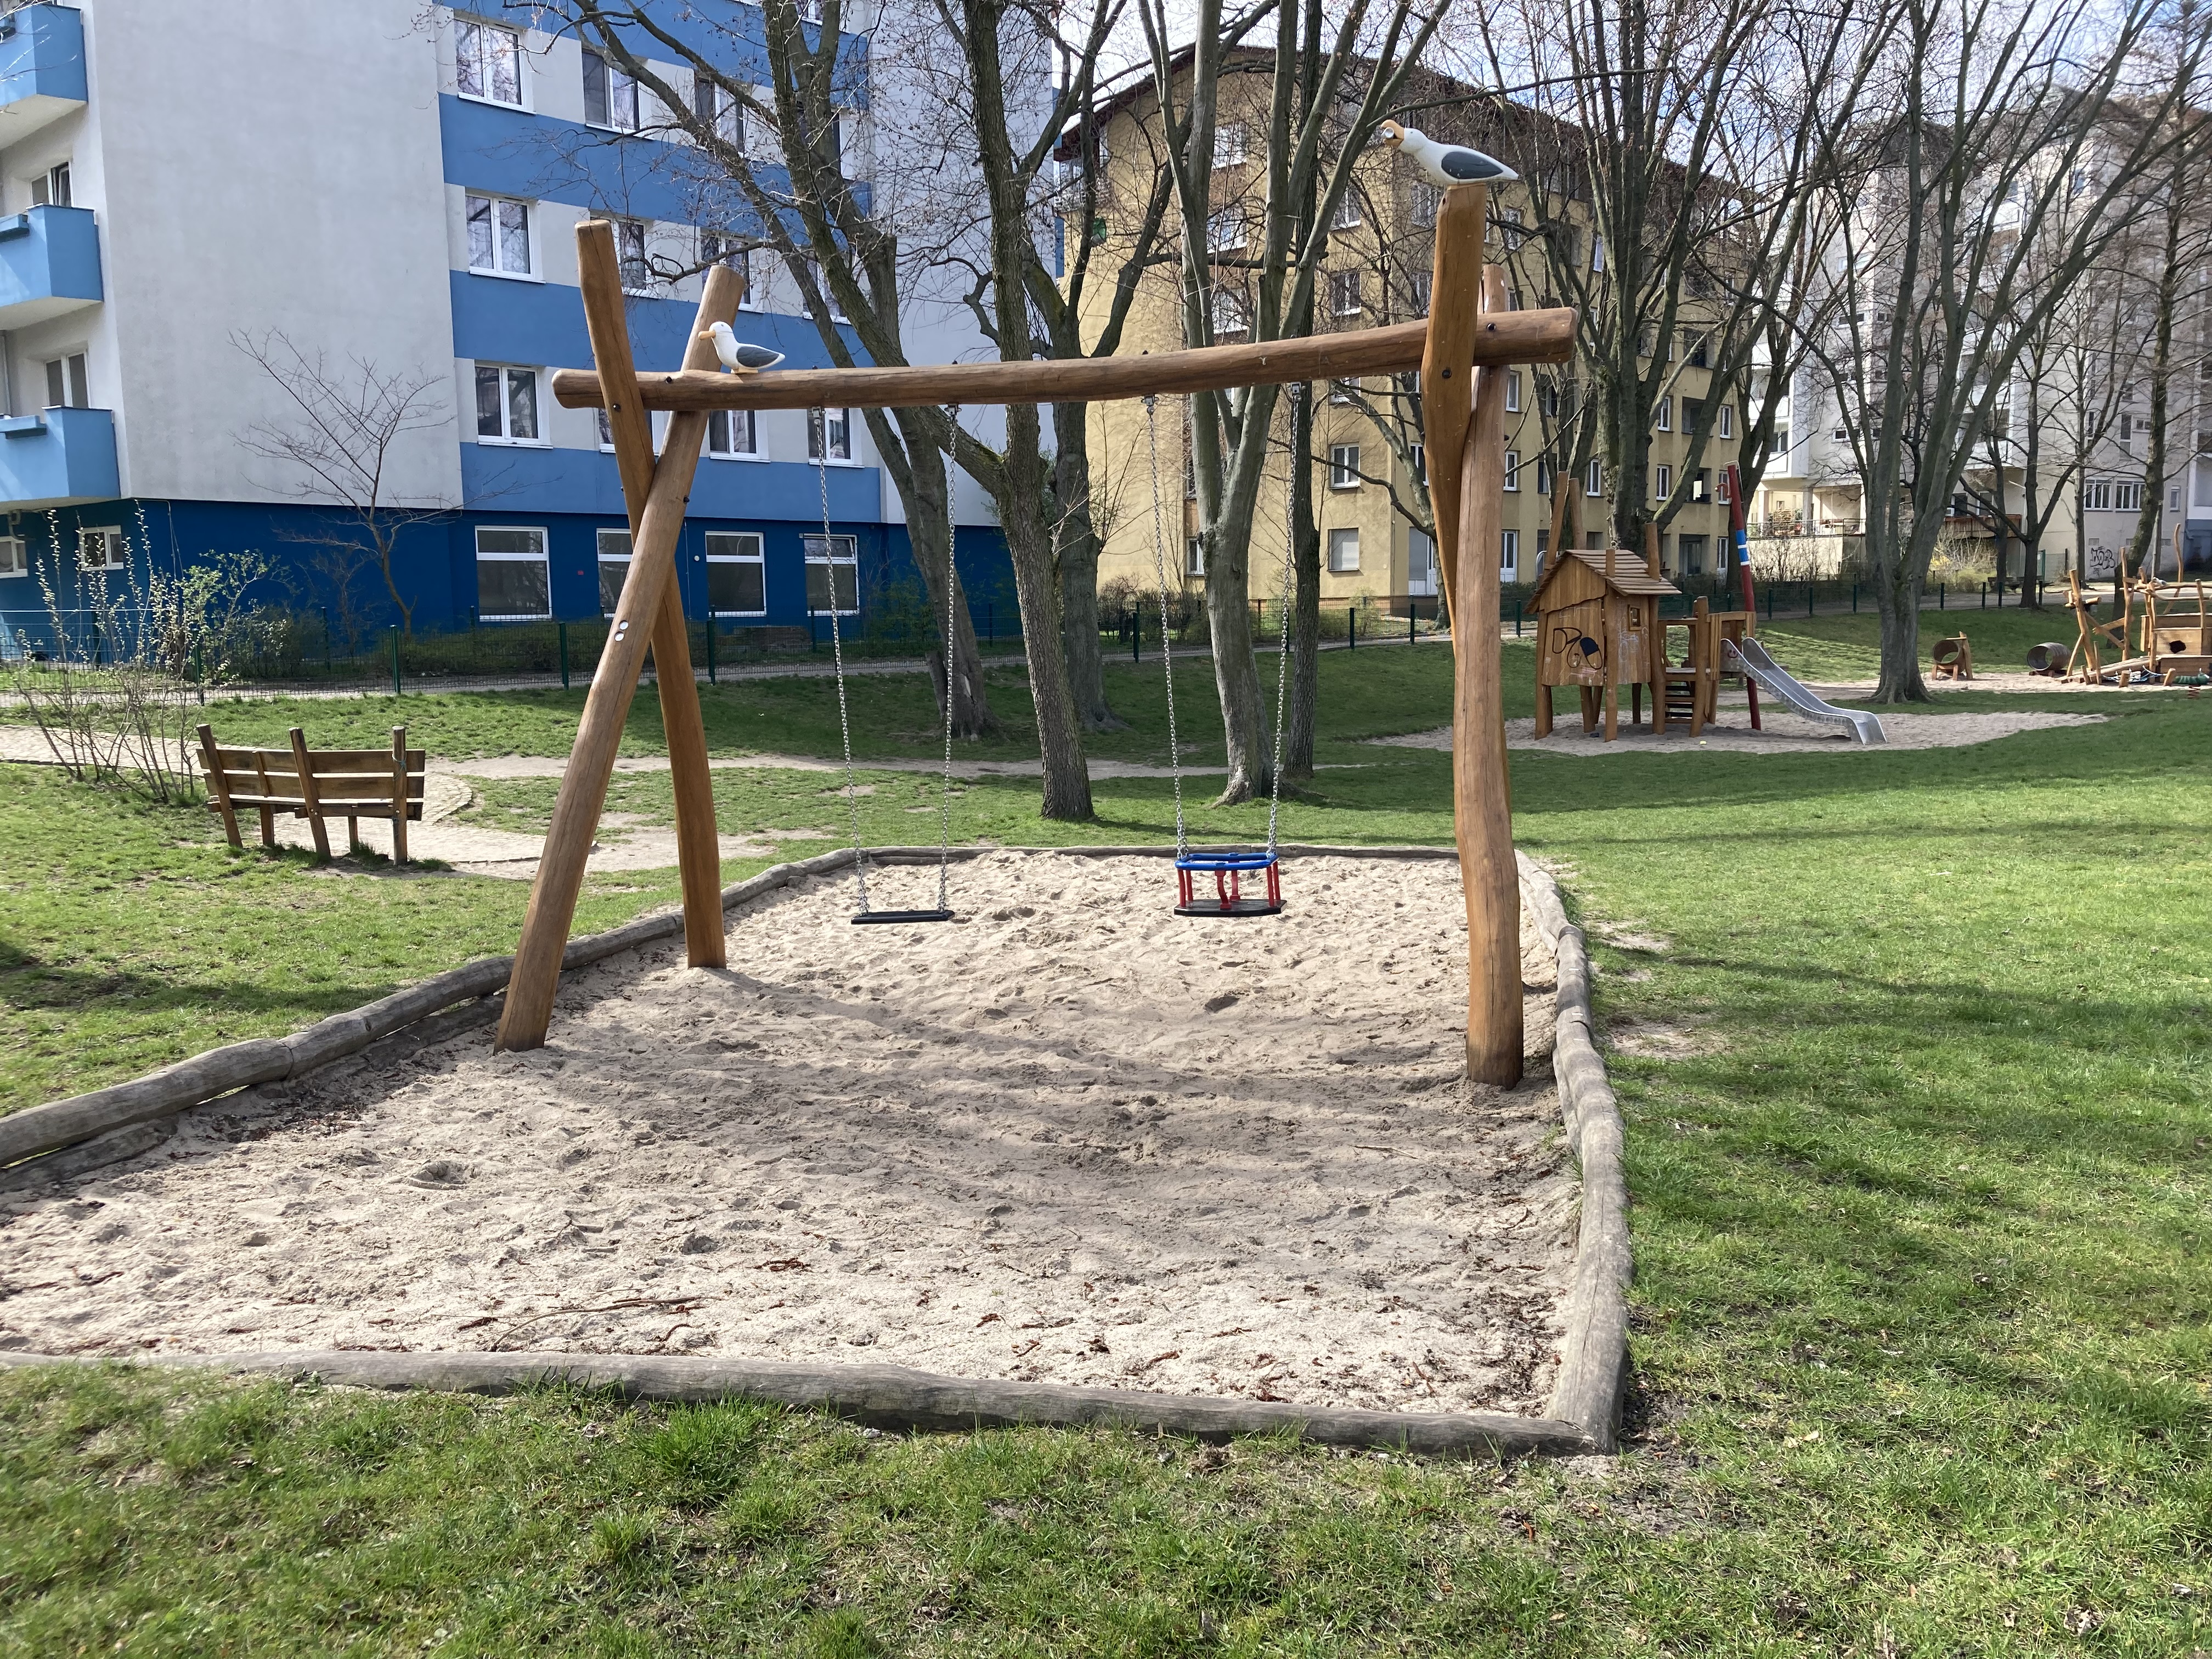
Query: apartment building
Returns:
{"type": "Point", "coordinates": [1369, 467]}
{"type": "Point", "coordinates": [383, 189]}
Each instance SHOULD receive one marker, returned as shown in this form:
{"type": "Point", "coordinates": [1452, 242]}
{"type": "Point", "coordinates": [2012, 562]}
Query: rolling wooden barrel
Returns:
{"type": "Point", "coordinates": [2048, 658]}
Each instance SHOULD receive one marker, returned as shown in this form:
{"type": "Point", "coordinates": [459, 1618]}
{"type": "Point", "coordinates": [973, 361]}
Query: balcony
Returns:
{"type": "Point", "coordinates": [41, 69]}
{"type": "Point", "coordinates": [57, 458]}
{"type": "Point", "coordinates": [49, 265]}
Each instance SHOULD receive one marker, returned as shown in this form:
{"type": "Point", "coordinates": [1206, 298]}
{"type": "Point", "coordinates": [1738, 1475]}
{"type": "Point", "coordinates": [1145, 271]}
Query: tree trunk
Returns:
{"type": "Point", "coordinates": [1229, 624]}
{"type": "Point", "coordinates": [1305, 603]}
{"type": "Point", "coordinates": [1078, 569]}
{"type": "Point", "coordinates": [1896, 594]}
{"type": "Point", "coordinates": [1028, 545]}
{"type": "Point", "coordinates": [917, 469]}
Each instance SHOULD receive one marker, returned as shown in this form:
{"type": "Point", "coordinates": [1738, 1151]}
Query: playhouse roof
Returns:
{"type": "Point", "coordinates": [1628, 572]}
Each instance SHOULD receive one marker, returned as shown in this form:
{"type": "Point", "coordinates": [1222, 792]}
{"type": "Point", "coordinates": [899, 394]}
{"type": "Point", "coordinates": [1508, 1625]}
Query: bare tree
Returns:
{"type": "Point", "coordinates": [338, 450]}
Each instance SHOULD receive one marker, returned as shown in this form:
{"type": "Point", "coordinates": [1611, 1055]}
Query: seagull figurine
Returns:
{"type": "Point", "coordinates": [737, 356]}
{"type": "Point", "coordinates": [1445, 164]}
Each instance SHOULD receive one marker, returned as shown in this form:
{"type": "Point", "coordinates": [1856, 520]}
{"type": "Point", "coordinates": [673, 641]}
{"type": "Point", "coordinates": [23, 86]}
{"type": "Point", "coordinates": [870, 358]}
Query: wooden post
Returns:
{"type": "Point", "coordinates": [309, 794]}
{"type": "Point", "coordinates": [649, 606]}
{"type": "Point", "coordinates": [400, 794]}
{"type": "Point", "coordinates": [219, 784]}
{"type": "Point", "coordinates": [1482, 810]}
{"type": "Point", "coordinates": [1447, 382]}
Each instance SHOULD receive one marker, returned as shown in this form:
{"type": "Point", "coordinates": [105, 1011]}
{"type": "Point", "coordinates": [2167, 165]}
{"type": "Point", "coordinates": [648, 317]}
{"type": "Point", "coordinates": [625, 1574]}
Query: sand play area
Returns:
{"type": "Point", "coordinates": [1782, 732]}
{"type": "Point", "coordinates": [1069, 1138]}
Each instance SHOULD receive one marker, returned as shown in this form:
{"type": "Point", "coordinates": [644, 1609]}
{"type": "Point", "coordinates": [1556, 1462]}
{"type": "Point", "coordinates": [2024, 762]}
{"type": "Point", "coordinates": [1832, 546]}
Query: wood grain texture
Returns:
{"type": "Point", "coordinates": [1455, 319]}
{"type": "Point", "coordinates": [1516, 337]}
{"type": "Point", "coordinates": [658, 525]}
{"type": "Point", "coordinates": [1482, 816]}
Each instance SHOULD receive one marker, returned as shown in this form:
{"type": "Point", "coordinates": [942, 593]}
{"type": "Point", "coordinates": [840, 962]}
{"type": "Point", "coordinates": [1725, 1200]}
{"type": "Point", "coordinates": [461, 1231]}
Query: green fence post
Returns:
{"type": "Point", "coordinates": [1943, 596]}
{"type": "Point", "coordinates": [395, 662]}
{"type": "Point", "coordinates": [1137, 635]}
{"type": "Point", "coordinates": [710, 651]}
{"type": "Point", "coordinates": [1351, 626]}
{"type": "Point", "coordinates": [562, 628]}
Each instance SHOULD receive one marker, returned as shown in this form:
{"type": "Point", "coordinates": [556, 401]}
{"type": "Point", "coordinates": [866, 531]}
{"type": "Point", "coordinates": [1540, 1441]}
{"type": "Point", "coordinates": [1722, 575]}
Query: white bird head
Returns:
{"type": "Point", "coordinates": [1444, 164]}
{"type": "Point", "coordinates": [738, 356]}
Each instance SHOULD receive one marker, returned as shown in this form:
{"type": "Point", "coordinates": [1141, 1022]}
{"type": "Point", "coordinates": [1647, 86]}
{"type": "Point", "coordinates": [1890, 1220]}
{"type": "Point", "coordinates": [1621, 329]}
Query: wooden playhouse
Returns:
{"type": "Point", "coordinates": [1598, 629]}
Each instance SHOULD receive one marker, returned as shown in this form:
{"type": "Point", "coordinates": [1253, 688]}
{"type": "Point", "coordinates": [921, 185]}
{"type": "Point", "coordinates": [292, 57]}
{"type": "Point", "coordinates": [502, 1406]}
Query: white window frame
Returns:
{"type": "Point", "coordinates": [757, 557]}
{"type": "Point", "coordinates": [462, 26]}
{"type": "Point", "coordinates": [822, 284]}
{"type": "Point", "coordinates": [821, 429]}
{"type": "Point", "coordinates": [720, 109]}
{"type": "Point", "coordinates": [1594, 485]}
{"type": "Point", "coordinates": [1513, 470]}
{"type": "Point", "coordinates": [1343, 294]}
{"type": "Point", "coordinates": [1232, 144]}
{"type": "Point", "coordinates": [1419, 287]}
{"type": "Point", "coordinates": [1509, 554]}
{"type": "Point", "coordinates": [849, 556]}
{"type": "Point", "coordinates": [1512, 392]}
{"type": "Point", "coordinates": [492, 206]}
{"type": "Point", "coordinates": [1720, 484]}
{"type": "Point", "coordinates": [718, 247]}
{"type": "Point", "coordinates": [51, 187]}
{"type": "Point", "coordinates": [2127, 494]}
{"type": "Point", "coordinates": [1193, 557]}
{"type": "Point", "coordinates": [2097, 495]}
{"type": "Point", "coordinates": [636, 267]}
{"type": "Point", "coordinates": [1232, 311]}
{"type": "Point", "coordinates": [14, 557]}
{"type": "Point", "coordinates": [1597, 253]}
{"type": "Point", "coordinates": [1344, 466]}
{"type": "Point", "coordinates": [1726, 429]}
{"type": "Point", "coordinates": [540, 557]}
{"type": "Point", "coordinates": [75, 376]}
{"type": "Point", "coordinates": [1662, 485]}
{"type": "Point", "coordinates": [606, 432]}
{"type": "Point", "coordinates": [1663, 413]}
{"type": "Point", "coordinates": [616, 80]}
{"type": "Point", "coordinates": [1347, 216]}
{"type": "Point", "coordinates": [1344, 537]}
{"type": "Point", "coordinates": [1228, 231]}
{"type": "Point", "coordinates": [717, 447]}
{"type": "Point", "coordinates": [619, 542]}
{"type": "Point", "coordinates": [115, 550]}
{"type": "Point", "coordinates": [1343, 391]}
{"type": "Point", "coordinates": [507, 372]}
{"type": "Point", "coordinates": [1425, 200]}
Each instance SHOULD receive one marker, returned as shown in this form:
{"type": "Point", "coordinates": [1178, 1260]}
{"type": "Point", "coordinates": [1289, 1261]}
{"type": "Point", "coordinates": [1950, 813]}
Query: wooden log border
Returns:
{"type": "Point", "coordinates": [1585, 1406]}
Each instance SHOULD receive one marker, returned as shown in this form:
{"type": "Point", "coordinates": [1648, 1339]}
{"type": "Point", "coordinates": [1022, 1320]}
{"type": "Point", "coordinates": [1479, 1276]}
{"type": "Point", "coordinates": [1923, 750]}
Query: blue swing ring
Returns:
{"type": "Point", "coordinates": [1229, 867]}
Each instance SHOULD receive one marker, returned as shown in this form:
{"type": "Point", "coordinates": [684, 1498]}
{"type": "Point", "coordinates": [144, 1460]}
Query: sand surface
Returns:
{"type": "Point", "coordinates": [1069, 1138]}
{"type": "Point", "coordinates": [1782, 733]}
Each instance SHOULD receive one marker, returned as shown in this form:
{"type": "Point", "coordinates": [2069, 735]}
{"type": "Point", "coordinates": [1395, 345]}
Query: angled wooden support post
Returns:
{"type": "Point", "coordinates": [649, 611]}
{"type": "Point", "coordinates": [1463, 414]}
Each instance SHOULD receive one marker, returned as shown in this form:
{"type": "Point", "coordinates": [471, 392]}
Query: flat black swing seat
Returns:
{"type": "Point", "coordinates": [1228, 898]}
{"type": "Point", "coordinates": [882, 917]}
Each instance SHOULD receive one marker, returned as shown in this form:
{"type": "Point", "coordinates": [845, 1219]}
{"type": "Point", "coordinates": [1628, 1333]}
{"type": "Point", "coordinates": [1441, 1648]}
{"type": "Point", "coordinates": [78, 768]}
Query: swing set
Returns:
{"type": "Point", "coordinates": [1462, 350]}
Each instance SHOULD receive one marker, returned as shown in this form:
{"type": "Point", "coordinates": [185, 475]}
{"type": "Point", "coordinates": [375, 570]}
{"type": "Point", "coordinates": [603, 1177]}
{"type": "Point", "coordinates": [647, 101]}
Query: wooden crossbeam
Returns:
{"type": "Point", "coordinates": [1505, 336]}
{"type": "Point", "coordinates": [649, 611]}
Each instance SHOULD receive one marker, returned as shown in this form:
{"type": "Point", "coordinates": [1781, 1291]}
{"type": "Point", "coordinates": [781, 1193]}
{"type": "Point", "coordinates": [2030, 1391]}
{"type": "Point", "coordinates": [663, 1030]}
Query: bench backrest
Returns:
{"type": "Point", "coordinates": [346, 781]}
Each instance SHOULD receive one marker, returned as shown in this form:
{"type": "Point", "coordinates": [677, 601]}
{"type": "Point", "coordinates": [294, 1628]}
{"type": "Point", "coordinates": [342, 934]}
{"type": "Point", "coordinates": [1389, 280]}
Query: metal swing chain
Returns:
{"type": "Point", "coordinates": [1283, 656]}
{"type": "Point", "coordinates": [1167, 647]}
{"type": "Point", "coordinates": [945, 790]}
{"type": "Point", "coordinates": [837, 663]}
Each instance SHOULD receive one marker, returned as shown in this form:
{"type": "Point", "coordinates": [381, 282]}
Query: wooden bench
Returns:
{"type": "Point", "coordinates": [316, 784]}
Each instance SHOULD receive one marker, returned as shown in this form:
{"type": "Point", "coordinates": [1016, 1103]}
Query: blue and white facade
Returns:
{"type": "Point", "coordinates": [374, 184]}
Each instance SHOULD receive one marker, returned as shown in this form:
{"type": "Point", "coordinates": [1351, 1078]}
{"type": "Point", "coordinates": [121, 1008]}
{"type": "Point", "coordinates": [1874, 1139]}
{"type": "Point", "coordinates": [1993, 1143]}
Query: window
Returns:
{"type": "Point", "coordinates": [1343, 552]}
{"type": "Point", "coordinates": [1663, 483]}
{"type": "Point", "coordinates": [1509, 554]}
{"type": "Point", "coordinates": [836, 425]}
{"type": "Point", "coordinates": [1227, 231]}
{"type": "Point", "coordinates": [1547, 395]}
{"type": "Point", "coordinates": [13, 560]}
{"type": "Point", "coordinates": [1421, 462]}
{"type": "Point", "coordinates": [67, 383]}
{"type": "Point", "coordinates": [832, 564]}
{"type": "Point", "coordinates": [733, 432]}
{"type": "Point", "coordinates": [499, 236]}
{"type": "Point", "coordinates": [1543, 476]}
{"type": "Point", "coordinates": [822, 287]}
{"type": "Point", "coordinates": [2173, 499]}
{"type": "Point", "coordinates": [606, 431]}
{"type": "Point", "coordinates": [1423, 201]}
{"type": "Point", "coordinates": [1232, 313]}
{"type": "Point", "coordinates": [1513, 470]}
{"type": "Point", "coordinates": [51, 187]}
{"type": "Point", "coordinates": [1346, 216]}
{"type": "Point", "coordinates": [102, 549]}
{"type": "Point", "coordinates": [506, 405]}
{"type": "Point", "coordinates": [1692, 554]}
{"type": "Point", "coordinates": [717, 249]}
{"type": "Point", "coordinates": [737, 575]}
{"type": "Point", "coordinates": [513, 583]}
{"type": "Point", "coordinates": [1194, 557]}
{"type": "Point", "coordinates": [1720, 485]}
{"type": "Point", "coordinates": [1418, 286]}
{"type": "Point", "coordinates": [1512, 392]}
{"type": "Point", "coordinates": [1662, 414]}
{"type": "Point", "coordinates": [810, 11]}
{"type": "Point", "coordinates": [488, 63]}
{"type": "Point", "coordinates": [1344, 293]}
{"type": "Point", "coordinates": [719, 112]}
{"type": "Point", "coordinates": [1699, 357]}
{"type": "Point", "coordinates": [1420, 563]}
{"type": "Point", "coordinates": [1727, 426]}
{"type": "Point", "coordinates": [1594, 483]}
{"type": "Point", "coordinates": [629, 254]}
{"type": "Point", "coordinates": [1229, 144]}
{"type": "Point", "coordinates": [2127, 430]}
{"type": "Point", "coordinates": [1597, 253]}
{"type": "Point", "coordinates": [1702, 488]}
{"type": "Point", "coordinates": [610, 95]}
{"type": "Point", "coordinates": [1343, 391]}
{"type": "Point", "coordinates": [614, 568]}
{"type": "Point", "coordinates": [1344, 466]}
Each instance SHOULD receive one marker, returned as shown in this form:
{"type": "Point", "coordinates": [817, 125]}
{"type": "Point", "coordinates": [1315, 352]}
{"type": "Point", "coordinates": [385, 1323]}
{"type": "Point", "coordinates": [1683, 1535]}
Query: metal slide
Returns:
{"type": "Point", "coordinates": [1749, 657]}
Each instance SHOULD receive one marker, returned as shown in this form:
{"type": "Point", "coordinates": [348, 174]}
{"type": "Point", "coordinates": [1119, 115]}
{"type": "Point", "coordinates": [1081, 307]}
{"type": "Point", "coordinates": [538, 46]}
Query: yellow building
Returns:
{"type": "Point", "coordinates": [1372, 506]}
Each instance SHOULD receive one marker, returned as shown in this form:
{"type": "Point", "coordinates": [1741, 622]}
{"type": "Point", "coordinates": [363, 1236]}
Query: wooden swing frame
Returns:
{"type": "Point", "coordinates": [1463, 351]}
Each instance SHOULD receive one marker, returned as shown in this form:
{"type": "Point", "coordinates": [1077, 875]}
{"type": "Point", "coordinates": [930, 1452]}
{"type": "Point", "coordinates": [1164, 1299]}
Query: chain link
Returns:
{"type": "Point", "coordinates": [1283, 655]}
{"type": "Point", "coordinates": [945, 792]}
{"type": "Point", "coordinates": [1167, 646]}
{"type": "Point", "coordinates": [837, 663]}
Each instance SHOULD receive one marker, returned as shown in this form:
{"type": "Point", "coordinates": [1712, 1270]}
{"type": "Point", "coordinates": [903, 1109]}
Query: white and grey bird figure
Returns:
{"type": "Point", "coordinates": [736, 356]}
{"type": "Point", "coordinates": [1445, 164]}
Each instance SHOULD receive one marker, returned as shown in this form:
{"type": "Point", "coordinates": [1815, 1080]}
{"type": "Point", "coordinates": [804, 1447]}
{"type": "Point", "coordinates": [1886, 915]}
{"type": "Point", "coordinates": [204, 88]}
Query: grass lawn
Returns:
{"type": "Point", "coordinates": [1913, 1049]}
{"type": "Point", "coordinates": [1828, 649]}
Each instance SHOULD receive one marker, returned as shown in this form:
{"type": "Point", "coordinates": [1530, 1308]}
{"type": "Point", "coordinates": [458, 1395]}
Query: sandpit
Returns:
{"type": "Point", "coordinates": [1782, 733]}
{"type": "Point", "coordinates": [1069, 1138]}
